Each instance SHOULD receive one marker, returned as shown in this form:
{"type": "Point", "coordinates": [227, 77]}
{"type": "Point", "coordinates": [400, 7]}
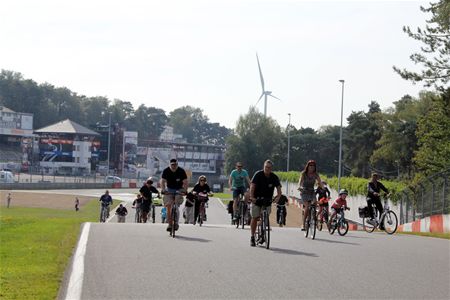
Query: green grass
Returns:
{"type": "Point", "coordinates": [35, 247]}
{"type": "Point", "coordinates": [224, 197]}
{"type": "Point", "coordinates": [430, 234]}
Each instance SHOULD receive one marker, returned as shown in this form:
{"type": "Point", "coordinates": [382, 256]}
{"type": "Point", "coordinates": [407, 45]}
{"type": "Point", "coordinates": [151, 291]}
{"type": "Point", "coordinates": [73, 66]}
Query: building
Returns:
{"type": "Point", "coordinates": [68, 148]}
{"type": "Point", "coordinates": [16, 140]}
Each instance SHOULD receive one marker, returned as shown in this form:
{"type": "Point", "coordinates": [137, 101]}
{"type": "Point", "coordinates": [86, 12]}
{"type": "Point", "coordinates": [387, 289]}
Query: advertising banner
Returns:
{"type": "Point", "coordinates": [130, 151]}
{"type": "Point", "coordinates": [55, 149]}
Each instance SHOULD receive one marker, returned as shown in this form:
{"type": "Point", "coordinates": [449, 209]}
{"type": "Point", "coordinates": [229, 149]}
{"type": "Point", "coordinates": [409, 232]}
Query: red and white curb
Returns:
{"type": "Point", "coordinates": [436, 223]}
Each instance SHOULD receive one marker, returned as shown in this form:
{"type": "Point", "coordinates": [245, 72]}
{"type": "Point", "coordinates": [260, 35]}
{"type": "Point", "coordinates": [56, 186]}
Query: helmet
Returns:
{"type": "Point", "coordinates": [343, 191]}
{"type": "Point", "coordinates": [149, 180]}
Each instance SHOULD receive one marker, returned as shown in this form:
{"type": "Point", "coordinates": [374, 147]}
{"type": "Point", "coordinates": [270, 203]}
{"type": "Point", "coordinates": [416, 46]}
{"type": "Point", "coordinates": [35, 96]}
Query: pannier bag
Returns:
{"type": "Point", "coordinates": [363, 212]}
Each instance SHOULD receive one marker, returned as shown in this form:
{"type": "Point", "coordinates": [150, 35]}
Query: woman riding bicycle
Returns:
{"type": "Point", "coordinates": [339, 203]}
{"type": "Point", "coordinates": [306, 184]}
{"type": "Point", "coordinates": [201, 190]}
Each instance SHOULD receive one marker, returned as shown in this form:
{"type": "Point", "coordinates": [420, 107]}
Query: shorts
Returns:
{"type": "Point", "coordinates": [256, 210]}
{"type": "Point", "coordinates": [168, 199]}
{"type": "Point", "coordinates": [335, 210]}
{"type": "Point", "coordinates": [238, 191]}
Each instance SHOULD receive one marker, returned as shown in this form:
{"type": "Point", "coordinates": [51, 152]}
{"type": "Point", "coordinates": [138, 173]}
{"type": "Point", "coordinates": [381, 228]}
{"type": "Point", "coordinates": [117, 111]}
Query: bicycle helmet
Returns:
{"type": "Point", "coordinates": [343, 191]}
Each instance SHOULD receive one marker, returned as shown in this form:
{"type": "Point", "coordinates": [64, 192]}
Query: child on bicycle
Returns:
{"type": "Point", "coordinates": [339, 203]}
{"type": "Point", "coordinates": [281, 208]}
{"type": "Point", "coordinates": [323, 196]}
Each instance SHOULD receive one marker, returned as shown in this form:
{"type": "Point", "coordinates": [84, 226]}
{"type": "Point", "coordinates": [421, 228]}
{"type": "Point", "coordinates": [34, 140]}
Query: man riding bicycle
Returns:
{"type": "Point", "coordinates": [238, 181]}
{"type": "Point", "coordinates": [373, 196]}
{"type": "Point", "coordinates": [174, 185]}
{"type": "Point", "coordinates": [146, 191]}
{"type": "Point", "coordinates": [261, 192]}
{"type": "Point", "coordinates": [106, 201]}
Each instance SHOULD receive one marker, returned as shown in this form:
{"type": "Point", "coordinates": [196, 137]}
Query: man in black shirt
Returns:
{"type": "Point", "coordinates": [373, 195]}
{"type": "Point", "coordinates": [174, 185]}
{"type": "Point", "coordinates": [146, 191]}
{"type": "Point", "coordinates": [261, 192]}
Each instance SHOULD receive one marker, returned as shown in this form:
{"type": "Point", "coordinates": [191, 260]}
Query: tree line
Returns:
{"type": "Point", "coordinates": [409, 140]}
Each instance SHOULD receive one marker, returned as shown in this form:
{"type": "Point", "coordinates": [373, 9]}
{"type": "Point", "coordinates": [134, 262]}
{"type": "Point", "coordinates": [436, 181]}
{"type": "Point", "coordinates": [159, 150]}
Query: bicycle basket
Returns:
{"type": "Point", "coordinates": [363, 212]}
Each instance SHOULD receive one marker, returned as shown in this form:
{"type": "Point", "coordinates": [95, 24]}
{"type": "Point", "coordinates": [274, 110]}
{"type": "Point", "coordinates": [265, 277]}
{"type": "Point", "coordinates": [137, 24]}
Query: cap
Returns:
{"type": "Point", "coordinates": [343, 191]}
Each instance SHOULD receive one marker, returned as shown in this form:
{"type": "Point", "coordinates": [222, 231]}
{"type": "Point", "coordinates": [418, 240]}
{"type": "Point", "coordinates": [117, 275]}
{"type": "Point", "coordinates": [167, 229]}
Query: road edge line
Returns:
{"type": "Point", "coordinates": [75, 285]}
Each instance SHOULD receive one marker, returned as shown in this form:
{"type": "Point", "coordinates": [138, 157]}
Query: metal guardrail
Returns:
{"type": "Point", "coordinates": [430, 197]}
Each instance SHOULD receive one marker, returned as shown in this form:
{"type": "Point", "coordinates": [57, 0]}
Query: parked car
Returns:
{"type": "Point", "coordinates": [113, 179]}
{"type": "Point", "coordinates": [6, 177]}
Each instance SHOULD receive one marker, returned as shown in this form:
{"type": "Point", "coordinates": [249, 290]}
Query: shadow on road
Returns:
{"type": "Point", "coordinates": [337, 242]}
{"type": "Point", "coordinates": [192, 239]}
{"type": "Point", "coordinates": [292, 252]}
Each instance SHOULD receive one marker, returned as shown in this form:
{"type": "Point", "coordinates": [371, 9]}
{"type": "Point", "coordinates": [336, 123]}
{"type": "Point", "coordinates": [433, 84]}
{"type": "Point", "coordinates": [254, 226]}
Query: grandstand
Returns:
{"type": "Point", "coordinates": [16, 140]}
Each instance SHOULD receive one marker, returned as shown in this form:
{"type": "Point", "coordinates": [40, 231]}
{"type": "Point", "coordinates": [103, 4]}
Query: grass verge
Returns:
{"type": "Point", "coordinates": [36, 244]}
{"type": "Point", "coordinates": [429, 234]}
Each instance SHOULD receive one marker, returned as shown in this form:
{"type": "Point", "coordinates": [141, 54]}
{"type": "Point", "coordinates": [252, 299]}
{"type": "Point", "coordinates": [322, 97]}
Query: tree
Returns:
{"type": "Point", "coordinates": [433, 134]}
{"type": "Point", "coordinates": [95, 110]}
{"type": "Point", "coordinates": [361, 135]}
{"type": "Point", "coordinates": [256, 138]}
{"type": "Point", "coordinates": [435, 56]}
{"type": "Point", "coordinates": [149, 122]}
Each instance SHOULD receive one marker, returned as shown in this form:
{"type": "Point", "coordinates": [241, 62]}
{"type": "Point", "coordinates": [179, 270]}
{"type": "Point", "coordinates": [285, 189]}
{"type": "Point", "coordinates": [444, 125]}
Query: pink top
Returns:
{"type": "Point", "coordinates": [339, 202]}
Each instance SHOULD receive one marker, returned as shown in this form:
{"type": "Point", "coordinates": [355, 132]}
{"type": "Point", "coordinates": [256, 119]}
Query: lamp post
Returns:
{"type": "Point", "coordinates": [289, 142]}
{"type": "Point", "coordinates": [109, 139]}
{"type": "Point", "coordinates": [340, 138]}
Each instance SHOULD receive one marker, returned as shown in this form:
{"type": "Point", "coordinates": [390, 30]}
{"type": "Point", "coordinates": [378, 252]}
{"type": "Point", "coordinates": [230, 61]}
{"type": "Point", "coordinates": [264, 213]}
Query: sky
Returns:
{"type": "Point", "coordinates": [168, 54]}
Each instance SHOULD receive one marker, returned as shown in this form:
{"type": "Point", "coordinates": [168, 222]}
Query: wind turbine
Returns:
{"type": "Point", "coordinates": [264, 92]}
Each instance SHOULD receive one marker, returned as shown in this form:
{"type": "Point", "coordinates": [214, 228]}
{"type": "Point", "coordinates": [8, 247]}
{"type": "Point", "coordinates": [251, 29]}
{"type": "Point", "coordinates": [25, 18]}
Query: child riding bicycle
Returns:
{"type": "Point", "coordinates": [339, 203]}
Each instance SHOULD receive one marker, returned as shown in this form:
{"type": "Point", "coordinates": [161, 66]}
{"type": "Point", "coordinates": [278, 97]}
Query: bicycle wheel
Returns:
{"type": "Point", "coordinates": [242, 215]}
{"type": "Point", "coordinates": [153, 214]}
{"type": "Point", "coordinates": [238, 218]}
{"type": "Point", "coordinates": [307, 225]}
{"type": "Point", "coordinates": [267, 230]}
{"type": "Point", "coordinates": [312, 225]}
{"type": "Point", "coordinates": [368, 227]}
{"type": "Point", "coordinates": [390, 222]}
{"type": "Point", "coordinates": [174, 221]}
{"type": "Point", "coordinates": [342, 227]}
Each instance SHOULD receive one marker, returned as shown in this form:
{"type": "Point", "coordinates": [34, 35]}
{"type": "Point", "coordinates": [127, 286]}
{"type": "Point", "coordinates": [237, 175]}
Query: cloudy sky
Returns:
{"type": "Point", "coordinates": [169, 54]}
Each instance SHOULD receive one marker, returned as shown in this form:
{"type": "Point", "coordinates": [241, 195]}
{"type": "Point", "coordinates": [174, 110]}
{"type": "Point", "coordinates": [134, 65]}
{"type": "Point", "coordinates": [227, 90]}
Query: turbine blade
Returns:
{"type": "Point", "coordinates": [259, 99]}
{"type": "Point", "coordinates": [260, 73]}
{"type": "Point", "coordinates": [274, 97]}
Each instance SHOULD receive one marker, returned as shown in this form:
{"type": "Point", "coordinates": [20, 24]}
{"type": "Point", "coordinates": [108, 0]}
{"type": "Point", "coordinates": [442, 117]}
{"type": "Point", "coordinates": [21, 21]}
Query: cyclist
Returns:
{"type": "Point", "coordinates": [106, 201]}
{"type": "Point", "coordinates": [238, 181]}
{"type": "Point", "coordinates": [261, 192]}
{"type": "Point", "coordinates": [282, 203]}
{"type": "Point", "coordinates": [337, 205]}
{"type": "Point", "coordinates": [146, 192]}
{"type": "Point", "coordinates": [306, 184]}
{"type": "Point", "coordinates": [202, 189]}
{"type": "Point", "coordinates": [324, 196]}
{"type": "Point", "coordinates": [173, 180]}
{"type": "Point", "coordinates": [373, 196]}
{"type": "Point", "coordinates": [189, 208]}
{"type": "Point", "coordinates": [121, 213]}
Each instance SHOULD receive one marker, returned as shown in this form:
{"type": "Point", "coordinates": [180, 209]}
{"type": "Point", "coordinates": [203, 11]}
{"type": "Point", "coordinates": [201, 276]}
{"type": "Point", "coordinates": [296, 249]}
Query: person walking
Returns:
{"type": "Point", "coordinates": [77, 204]}
{"type": "Point", "coordinates": [8, 200]}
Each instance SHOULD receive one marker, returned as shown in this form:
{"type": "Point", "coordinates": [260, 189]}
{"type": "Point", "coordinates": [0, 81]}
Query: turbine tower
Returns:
{"type": "Point", "coordinates": [264, 92]}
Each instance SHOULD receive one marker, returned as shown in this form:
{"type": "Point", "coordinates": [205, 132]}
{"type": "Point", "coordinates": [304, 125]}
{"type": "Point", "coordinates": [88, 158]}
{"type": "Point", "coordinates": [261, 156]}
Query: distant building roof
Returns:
{"type": "Point", "coordinates": [5, 109]}
{"type": "Point", "coordinates": [66, 126]}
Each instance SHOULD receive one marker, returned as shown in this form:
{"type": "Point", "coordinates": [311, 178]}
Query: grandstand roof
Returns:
{"type": "Point", "coordinates": [66, 126]}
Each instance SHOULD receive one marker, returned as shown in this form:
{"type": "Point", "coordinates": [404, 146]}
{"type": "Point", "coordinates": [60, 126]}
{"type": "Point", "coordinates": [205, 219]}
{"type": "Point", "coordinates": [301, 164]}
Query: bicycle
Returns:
{"type": "Point", "coordinates": [263, 228]}
{"type": "Point", "coordinates": [311, 220]}
{"type": "Point", "coordinates": [323, 217]}
{"type": "Point", "coordinates": [137, 215]}
{"type": "Point", "coordinates": [174, 213]}
{"type": "Point", "coordinates": [104, 213]}
{"type": "Point", "coordinates": [340, 223]}
{"type": "Point", "coordinates": [281, 214]}
{"type": "Point", "coordinates": [388, 218]}
{"type": "Point", "coordinates": [242, 212]}
{"type": "Point", "coordinates": [202, 208]}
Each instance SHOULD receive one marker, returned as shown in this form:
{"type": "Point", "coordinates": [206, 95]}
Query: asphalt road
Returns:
{"type": "Point", "coordinates": [141, 261]}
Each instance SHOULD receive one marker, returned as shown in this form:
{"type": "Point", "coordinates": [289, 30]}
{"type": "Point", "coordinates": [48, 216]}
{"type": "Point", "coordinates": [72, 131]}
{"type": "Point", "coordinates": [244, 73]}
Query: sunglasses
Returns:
{"type": "Point", "coordinates": [203, 180]}
{"type": "Point", "coordinates": [173, 164]}
{"type": "Point", "coordinates": [239, 166]}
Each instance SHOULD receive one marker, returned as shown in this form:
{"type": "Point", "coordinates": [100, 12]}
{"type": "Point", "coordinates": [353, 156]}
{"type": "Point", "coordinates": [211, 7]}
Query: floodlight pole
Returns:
{"type": "Point", "coordinates": [340, 137]}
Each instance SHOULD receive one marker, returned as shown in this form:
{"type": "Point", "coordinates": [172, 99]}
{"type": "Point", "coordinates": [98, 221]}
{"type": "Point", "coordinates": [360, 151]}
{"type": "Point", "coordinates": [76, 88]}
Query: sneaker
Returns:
{"type": "Point", "coordinates": [303, 229]}
{"type": "Point", "coordinates": [176, 226]}
{"type": "Point", "coordinates": [252, 242]}
{"type": "Point", "coordinates": [169, 228]}
{"type": "Point", "coordinates": [261, 240]}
